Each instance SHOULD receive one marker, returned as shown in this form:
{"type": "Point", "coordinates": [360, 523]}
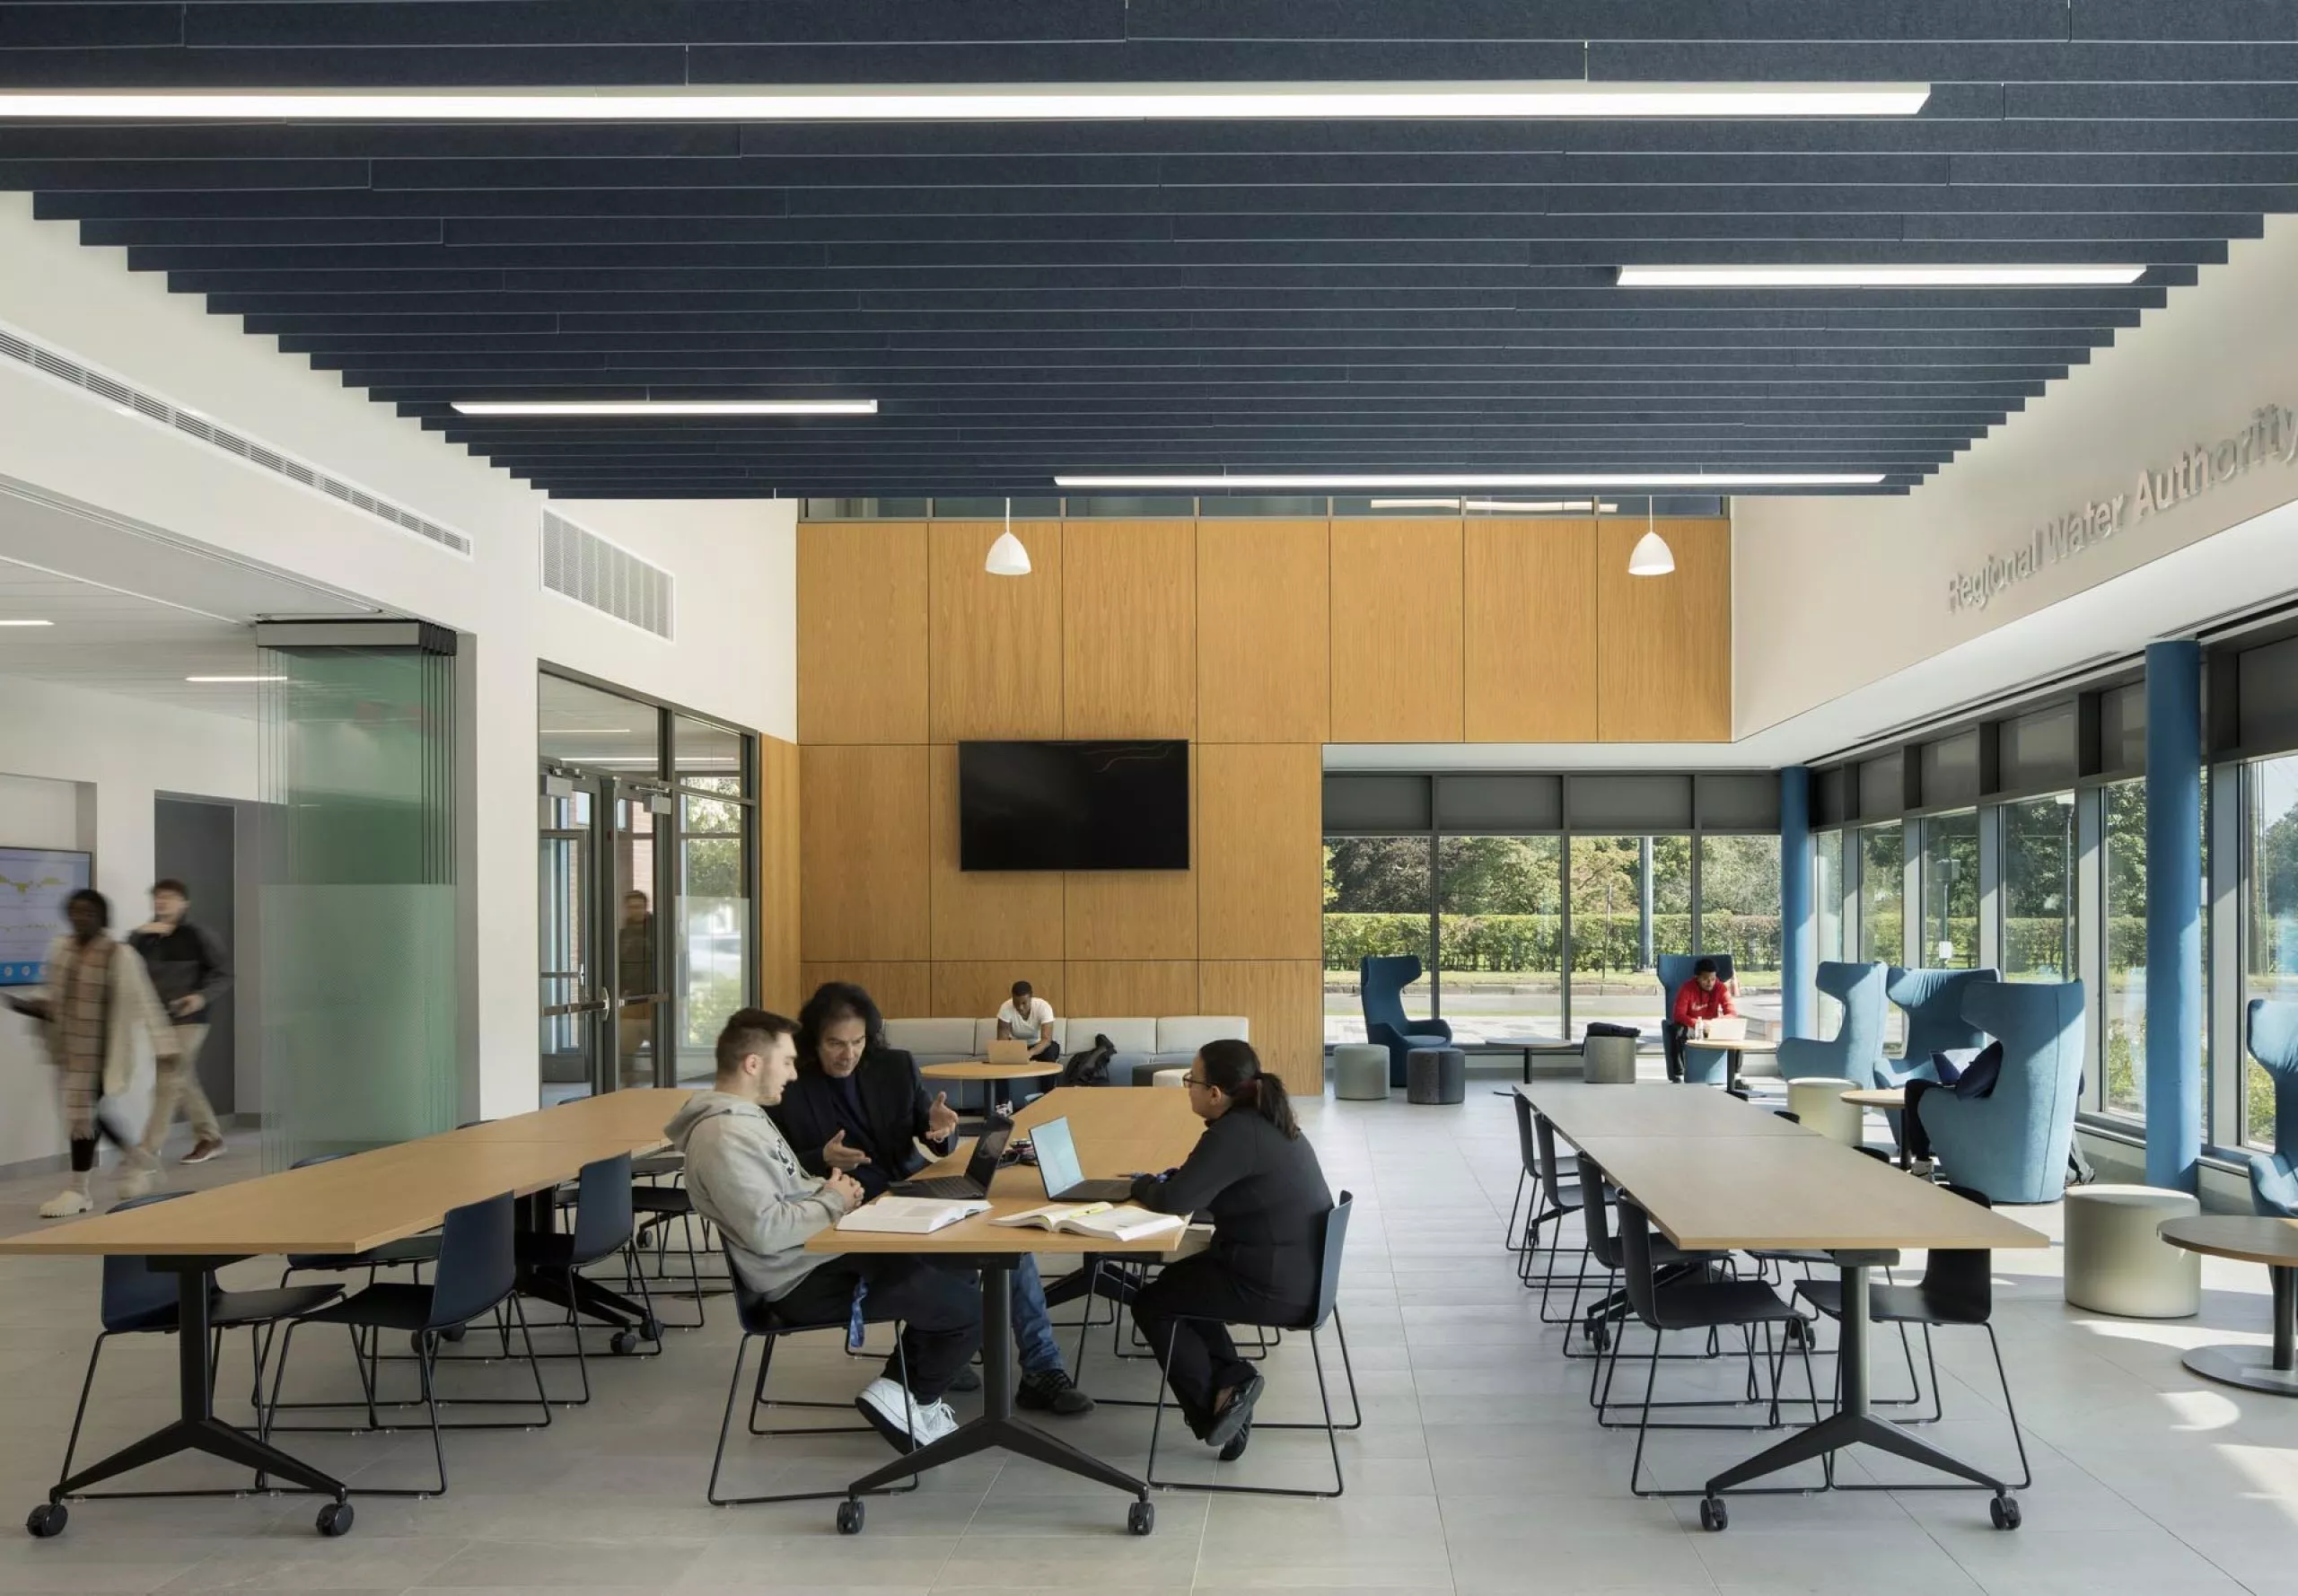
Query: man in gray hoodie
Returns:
{"type": "Point", "coordinates": [745, 1180]}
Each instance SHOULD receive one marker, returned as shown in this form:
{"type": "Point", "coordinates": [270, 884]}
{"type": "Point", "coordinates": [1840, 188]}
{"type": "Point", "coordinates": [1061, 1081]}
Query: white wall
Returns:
{"type": "Point", "coordinates": [1836, 595]}
{"type": "Point", "coordinates": [734, 657]}
{"type": "Point", "coordinates": [82, 771]}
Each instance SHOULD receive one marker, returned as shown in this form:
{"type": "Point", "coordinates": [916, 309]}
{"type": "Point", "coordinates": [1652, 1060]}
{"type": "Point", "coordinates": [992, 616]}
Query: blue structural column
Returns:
{"type": "Point", "coordinates": [2173, 914]}
{"type": "Point", "coordinates": [1799, 940]}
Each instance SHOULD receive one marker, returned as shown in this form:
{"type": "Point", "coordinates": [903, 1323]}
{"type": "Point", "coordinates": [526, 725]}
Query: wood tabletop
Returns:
{"type": "Point", "coordinates": [981, 1069]}
{"type": "Point", "coordinates": [1118, 1130]}
{"type": "Point", "coordinates": [2255, 1238]}
{"type": "Point", "coordinates": [349, 1204]}
{"type": "Point", "coordinates": [1877, 1097]}
{"type": "Point", "coordinates": [1652, 1108]}
{"type": "Point", "coordinates": [1735, 1044]}
{"type": "Point", "coordinates": [1716, 1193]}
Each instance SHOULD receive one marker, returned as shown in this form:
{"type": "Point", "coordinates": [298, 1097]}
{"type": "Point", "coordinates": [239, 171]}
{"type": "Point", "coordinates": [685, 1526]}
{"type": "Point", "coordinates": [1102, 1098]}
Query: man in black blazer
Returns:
{"type": "Point", "coordinates": [862, 1107]}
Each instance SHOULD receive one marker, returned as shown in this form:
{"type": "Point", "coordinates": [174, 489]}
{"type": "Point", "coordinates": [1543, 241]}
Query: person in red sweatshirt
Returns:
{"type": "Point", "coordinates": [1698, 1000]}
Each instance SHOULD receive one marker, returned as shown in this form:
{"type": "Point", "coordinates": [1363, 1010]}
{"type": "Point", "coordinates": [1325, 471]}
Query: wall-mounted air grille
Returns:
{"type": "Point", "coordinates": [607, 577]}
{"type": "Point", "coordinates": [109, 389]}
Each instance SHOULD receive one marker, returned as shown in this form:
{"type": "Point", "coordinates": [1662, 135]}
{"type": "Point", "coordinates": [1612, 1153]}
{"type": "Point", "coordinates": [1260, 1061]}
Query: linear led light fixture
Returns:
{"type": "Point", "coordinates": [1878, 276]}
{"type": "Point", "coordinates": [235, 679]}
{"type": "Point", "coordinates": [1499, 507]}
{"type": "Point", "coordinates": [666, 407]}
{"type": "Point", "coordinates": [1001, 102]}
{"type": "Point", "coordinates": [27, 623]}
{"type": "Point", "coordinates": [1348, 483]}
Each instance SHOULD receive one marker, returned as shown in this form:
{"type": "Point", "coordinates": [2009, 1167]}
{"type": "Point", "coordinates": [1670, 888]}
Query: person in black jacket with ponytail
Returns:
{"type": "Point", "coordinates": [1257, 1177]}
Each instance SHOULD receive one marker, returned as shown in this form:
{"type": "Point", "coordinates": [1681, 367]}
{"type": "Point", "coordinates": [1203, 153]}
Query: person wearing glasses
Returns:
{"type": "Point", "coordinates": [1257, 1177]}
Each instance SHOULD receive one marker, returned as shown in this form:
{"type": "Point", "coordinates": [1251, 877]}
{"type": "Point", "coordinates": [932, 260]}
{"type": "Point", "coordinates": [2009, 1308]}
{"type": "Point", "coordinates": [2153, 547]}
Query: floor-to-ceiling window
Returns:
{"type": "Point", "coordinates": [1378, 900]}
{"type": "Point", "coordinates": [1949, 924]}
{"type": "Point", "coordinates": [2039, 930]}
{"type": "Point", "coordinates": [1739, 915]}
{"type": "Point", "coordinates": [2123, 938]}
{"type": "Point", "coordinates": [1827, 903]}
{"type": "Point", "coordinates": [1499, 934]}
{"type": "Point", "coordinates": [717, 820]}
{"type": "Point", "coordinates": [1883, 902]}
{"type": "Point", "coordinates": [2270, 916]}
{"type": "Point", "coordinates": [1631, 902]}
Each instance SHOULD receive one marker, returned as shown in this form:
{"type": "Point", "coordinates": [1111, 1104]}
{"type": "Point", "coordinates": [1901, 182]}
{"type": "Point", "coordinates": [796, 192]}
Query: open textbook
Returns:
{"type": "Point", "coordinates": [912, 1216]}
{"type": "Point", "coordinates": [1107, 1222]}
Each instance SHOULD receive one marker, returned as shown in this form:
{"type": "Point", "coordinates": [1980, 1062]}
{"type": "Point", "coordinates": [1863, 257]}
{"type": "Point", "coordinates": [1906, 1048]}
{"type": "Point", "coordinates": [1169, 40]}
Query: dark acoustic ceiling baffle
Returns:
{"type": "Point", "coordinates": [1025, 299]}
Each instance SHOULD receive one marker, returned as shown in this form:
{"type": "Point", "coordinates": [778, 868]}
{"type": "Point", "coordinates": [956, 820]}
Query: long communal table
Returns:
{"type": "Point", "coordinates": [345, 1206]}
{"type": "Point", "coordinates": [1717, 1174]}
{"type": "Point", "coordinates": [1118, 1131]}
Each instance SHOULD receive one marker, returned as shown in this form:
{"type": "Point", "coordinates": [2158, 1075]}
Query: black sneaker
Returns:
{"type": "Point", "coordinates": [1053, 1392]}
{"type": "Point", "coordinates": [1233, 1420]}
{"type": "Point", "coordinates": [1236, 1448]}
{"type": "Point", "coordinates": [967, 1379]}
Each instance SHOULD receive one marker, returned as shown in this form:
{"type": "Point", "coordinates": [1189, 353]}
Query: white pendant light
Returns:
{"type": "Point", "coordinates": [1651, 557]}
{"type": "Point", "coordinates": [1008, 557]}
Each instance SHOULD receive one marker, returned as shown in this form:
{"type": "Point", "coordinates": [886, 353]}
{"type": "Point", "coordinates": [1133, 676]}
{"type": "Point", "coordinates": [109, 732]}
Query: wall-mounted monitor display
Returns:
{"type": "Point", "coordinates": [1097, 805]}
{"type": "Point", "coordinates": [34, 882]}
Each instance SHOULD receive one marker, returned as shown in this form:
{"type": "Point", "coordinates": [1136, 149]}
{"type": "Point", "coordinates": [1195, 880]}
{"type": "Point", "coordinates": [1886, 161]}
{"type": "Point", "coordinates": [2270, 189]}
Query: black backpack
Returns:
{"type": "Point", "coordinates": [1091, 1066]}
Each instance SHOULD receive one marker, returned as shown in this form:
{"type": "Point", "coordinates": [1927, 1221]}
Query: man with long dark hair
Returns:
{"type": "Point", "coordinates": [860, 1108]}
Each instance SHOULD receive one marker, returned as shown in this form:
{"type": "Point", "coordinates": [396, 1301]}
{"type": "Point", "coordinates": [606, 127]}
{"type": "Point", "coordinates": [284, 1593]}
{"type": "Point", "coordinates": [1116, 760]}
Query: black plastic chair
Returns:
{"type": "Point", "coordinates": [605, 1224]}
{"type": "Point", "coordinates": [139, 1300]}
{"type": "Point", "coordinates": [1561, 1199]}
{"type": "Point", "coordinates": [1604, 1249]}
{"type": "Point", "coordinates": [661, 1200]}
{"type": "Point", "coordinates": [1518, 1238]}
{"type": "Point", "coordinates": [477, 1272]}
{"type": "Point", "coordinates": [1957, 1288]}
{"type": "Point", "coordinates": [1326, 1307]}
{"type": "Point", "coordinates": [762, 1322]}
{"type": "Point", "coordinates": [1703, 1306]}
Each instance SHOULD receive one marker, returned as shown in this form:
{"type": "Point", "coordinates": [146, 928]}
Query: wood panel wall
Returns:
{"type": "Point", "coordinates": [1259, 641]}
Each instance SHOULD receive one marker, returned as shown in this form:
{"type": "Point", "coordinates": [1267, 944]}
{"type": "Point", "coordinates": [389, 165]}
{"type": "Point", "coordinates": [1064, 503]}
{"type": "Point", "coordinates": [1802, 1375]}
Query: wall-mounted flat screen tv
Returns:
{"type": "Point", "coordinates": [34, 882]}
{"type": "Point", "coordinates": [1099, 805]}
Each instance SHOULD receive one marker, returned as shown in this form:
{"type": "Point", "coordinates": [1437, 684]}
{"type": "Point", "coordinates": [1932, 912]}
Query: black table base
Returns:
{"type": "Point", "coordinates": [197, 1428]}
{"type": "Point", "coordinates": [998, 1428]}
{"type": "Point", "coordinates": [2272, 1370]}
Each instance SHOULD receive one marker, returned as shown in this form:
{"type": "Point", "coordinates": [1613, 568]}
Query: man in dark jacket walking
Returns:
{"type": "Point", "coordinates": [190, 971]}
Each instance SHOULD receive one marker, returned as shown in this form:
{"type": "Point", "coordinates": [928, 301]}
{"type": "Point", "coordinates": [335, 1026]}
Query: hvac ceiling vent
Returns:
{"type": "Point", "coordinates": [605, 575]}
{"type": "Point", "coordinates": [109, 389]}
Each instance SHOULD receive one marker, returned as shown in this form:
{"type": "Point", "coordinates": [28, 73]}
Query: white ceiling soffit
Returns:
{"type": "Point", "coordinates": [134, 610]}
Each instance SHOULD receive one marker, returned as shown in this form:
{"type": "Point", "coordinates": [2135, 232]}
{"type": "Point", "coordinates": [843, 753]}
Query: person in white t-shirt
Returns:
{"type": "Point", "coordinates": [1026, 1017]}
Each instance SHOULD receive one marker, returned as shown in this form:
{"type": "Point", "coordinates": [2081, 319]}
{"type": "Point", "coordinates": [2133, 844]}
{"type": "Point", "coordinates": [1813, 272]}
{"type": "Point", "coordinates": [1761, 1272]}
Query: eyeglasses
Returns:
{"type": "Point", "coordinates": [1197, 1081]}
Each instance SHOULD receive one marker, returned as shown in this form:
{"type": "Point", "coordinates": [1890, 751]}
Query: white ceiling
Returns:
{"type": "Point", "coordinates": [136, 612]}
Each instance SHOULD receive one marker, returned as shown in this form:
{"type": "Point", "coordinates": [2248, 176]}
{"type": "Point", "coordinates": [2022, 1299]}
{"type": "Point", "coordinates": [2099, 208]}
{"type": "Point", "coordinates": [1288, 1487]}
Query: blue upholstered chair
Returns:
{"type": "Point", "coordinates": [2274, 1043]}
{"type": "Point", "coordinates": [1855, 1053]}
{"type": "Point", "coordinates": [2011, 1144]}
{"type": "Point", "coordinates": [1706, 1066]}
{"type": "Point", "coordinates": [1932, 1002]}
{"type": "Point", "coordinates": [1381, 980]}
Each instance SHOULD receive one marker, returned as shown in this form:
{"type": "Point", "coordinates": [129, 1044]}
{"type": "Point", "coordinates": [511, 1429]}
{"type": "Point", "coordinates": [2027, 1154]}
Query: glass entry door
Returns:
{"type": "Point", "coordinates": [603, 995]}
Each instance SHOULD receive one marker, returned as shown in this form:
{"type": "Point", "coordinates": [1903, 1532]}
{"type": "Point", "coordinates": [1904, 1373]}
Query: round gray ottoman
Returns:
{"type": "Point", "coordinates": [1607, 1060]}
{"type": "Point", "coordinates": [2116, 1263]}
{"type": "Point", "coordinates": [1360, 1070]}
{"type": "Point", "coordinates": [1436, 1075]}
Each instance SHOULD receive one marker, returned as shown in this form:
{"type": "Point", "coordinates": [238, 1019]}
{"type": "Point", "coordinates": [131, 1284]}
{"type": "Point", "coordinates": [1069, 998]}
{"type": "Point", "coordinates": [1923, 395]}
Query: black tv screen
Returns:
{"type": "Point", "coordinates": [1073, 805]}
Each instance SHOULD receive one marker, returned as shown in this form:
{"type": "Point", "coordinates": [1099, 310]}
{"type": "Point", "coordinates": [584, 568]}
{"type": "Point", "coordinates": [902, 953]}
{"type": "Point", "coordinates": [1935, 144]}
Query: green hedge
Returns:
{"type": "Point", "coordinates": [1609, 942]}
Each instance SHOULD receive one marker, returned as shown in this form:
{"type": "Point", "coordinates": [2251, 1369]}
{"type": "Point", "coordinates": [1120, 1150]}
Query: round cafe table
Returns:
{"type": "Point", "coordinates": [1890, 1099]}
{"type": "Point", "coordinates": [2259, 1239]}
{"type": "Point", "coordinates": [981, 1069]}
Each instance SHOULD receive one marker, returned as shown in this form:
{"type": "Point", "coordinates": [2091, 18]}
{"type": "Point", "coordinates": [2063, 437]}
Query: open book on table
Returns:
{"type": "Point", "coordinates": [912, 1216]}
{"type": "Point", "coordinates": [1107, 1222]}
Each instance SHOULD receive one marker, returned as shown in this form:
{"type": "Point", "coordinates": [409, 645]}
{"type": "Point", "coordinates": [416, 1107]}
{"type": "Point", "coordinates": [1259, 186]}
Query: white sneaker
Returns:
{"type": "Point", "coordinates": [934, 1421]}
{"type": "Point", "coordinates": [890, 1411]}
{"type": "Point", "coordinates": [64, 1203]}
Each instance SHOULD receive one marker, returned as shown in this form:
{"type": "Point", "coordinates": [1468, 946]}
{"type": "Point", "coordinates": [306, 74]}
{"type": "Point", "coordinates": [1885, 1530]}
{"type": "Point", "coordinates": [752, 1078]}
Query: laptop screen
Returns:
{"type": "Point", "coordinates": [987, 1148]}
{"type": "Point", "coordinates": [1056, 1156]}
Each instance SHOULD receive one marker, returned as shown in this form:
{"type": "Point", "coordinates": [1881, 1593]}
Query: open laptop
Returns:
{"type": "Point", "coordinates": [1728, 1027]}
{"type": "Point", "coordinates": [1009, 1051]}
{"type": "Point", "coordinates": [987, 1148]}
{"type": "Point", "coordinates": [1064, 1177]}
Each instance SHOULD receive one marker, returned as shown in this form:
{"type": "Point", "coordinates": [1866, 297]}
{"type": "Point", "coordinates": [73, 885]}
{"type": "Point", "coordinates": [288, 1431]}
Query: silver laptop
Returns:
{"type": "Point", "coordinates": [1064, 1177]}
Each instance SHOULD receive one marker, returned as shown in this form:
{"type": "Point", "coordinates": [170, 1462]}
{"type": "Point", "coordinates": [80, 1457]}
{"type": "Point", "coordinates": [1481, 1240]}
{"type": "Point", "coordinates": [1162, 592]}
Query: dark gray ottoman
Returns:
{"type": "Point", "coordinates": [1436, 1075]}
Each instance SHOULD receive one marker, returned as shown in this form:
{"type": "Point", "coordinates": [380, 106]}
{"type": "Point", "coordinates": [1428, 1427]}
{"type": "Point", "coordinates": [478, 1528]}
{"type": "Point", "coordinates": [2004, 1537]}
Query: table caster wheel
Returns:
{"type": "Point", "coordinates": [48, 1520]}
{"type": "Point", "coordinates": [849, 1517]}
{"type": "Point", "coordinates": [1798, 1333]}
{"type": "Point", "coordinates": [1141, 1517]}
{"type": "Point", "coordinates": [454, 1332]}
{"type": "Point", "coordinates": [2005, 1511]}
{"type": "Point", "coordinates": [650, 1329]}
{"type": "Point", "coordinates": [1712, 1514]}
{"type": "Point", "coordinates": [335, 1520]}
{"type": "Point", "coordinates": [623, 1345]}
{"type": "Point", "coordinates": [1600, 1336]}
